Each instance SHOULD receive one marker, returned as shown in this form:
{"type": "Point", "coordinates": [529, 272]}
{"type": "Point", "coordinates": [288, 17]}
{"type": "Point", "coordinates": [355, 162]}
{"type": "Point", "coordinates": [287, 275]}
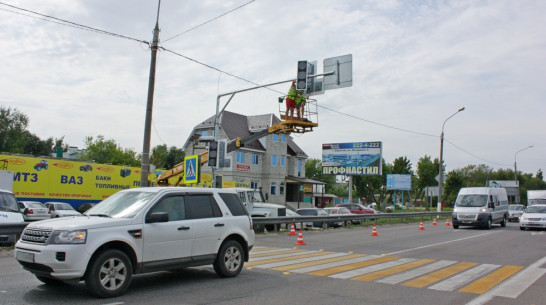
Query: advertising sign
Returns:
{"type": "Point", "coordinates": [359, 158]}
{"type": "Point", "coordinates": [74, 182]}
{"type": "Point", "coordinates": [398, 182]}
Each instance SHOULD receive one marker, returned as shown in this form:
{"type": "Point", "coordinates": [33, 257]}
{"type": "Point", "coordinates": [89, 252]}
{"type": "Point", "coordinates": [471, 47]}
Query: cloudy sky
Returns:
{"type": "Point", "coordinates": [415, 63]}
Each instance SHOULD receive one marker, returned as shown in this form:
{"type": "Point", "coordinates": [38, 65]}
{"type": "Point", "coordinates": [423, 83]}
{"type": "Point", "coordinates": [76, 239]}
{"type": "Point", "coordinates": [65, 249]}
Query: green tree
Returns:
{"type": "Point", "coordinates": [427, 170]}
{"type": "Point", "coordinates": [13, 125]}
{"type": "Point", "coordinates": [401, 165]}
{"type": "Point", "coordinates": [373, 187]}
{"type": "Point", "coordinates": [313, 170]}
{"type": "Point", "coordinates": [454, 182]}
{"type": "Point", "coordinates": [109, 152]}
{"type": "Point", "coordinates": [33, 145]}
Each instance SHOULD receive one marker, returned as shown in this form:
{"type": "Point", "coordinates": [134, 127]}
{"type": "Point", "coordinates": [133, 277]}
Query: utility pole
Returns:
{"type": "Point", "coordinates": [145, 167]}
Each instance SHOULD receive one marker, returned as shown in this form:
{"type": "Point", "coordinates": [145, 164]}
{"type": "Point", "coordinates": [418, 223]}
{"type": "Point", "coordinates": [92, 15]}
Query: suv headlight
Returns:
{"type": "Point", "coordinates": [68, 237]}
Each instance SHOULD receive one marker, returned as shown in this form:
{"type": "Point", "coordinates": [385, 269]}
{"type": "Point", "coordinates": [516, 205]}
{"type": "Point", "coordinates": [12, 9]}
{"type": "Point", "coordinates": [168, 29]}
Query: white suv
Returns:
{"type": "Point", "coordinates": [136, 231]}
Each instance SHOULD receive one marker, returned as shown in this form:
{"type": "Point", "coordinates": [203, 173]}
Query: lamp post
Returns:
{"type": "Point", "coordinates": [441, 174]}
{"type": "Point", "coordinates": [515, 166]}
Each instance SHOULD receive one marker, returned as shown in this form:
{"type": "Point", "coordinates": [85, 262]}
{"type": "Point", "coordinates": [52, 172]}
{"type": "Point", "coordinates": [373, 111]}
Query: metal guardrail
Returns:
{"type": "Point", "coordinates": [17, 228]}
{"type": "Point", "coordinates": [361, 217]}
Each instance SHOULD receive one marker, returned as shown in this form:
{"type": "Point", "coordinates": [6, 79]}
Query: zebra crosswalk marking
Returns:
{"type": "Point", "coordinates": [263, 249]}
{"type": "Point", "coordinates": [439, 275]}
{"type": "Point", "coordinates": [344, 268]}
{"type": "Point", "coordinates": [334, 264]}
{"type": "Point", "coordinates": [324, 255]}
{"type": "Point", "coordinates": [318, 262]}
{"type": "Point", "coordinates": [270, 253]}
{"type": "Point", "coordinates": [285, 257]}
{"type": "Point", "coordinates": [491, 280]}
{"type": "Point", "coordinates": [464, 277]}
{"type": "Point", "coordinates": [373, 268]}
{"type": "Point", "coordinates": [393, 270]}
{"type": "Point", "coordinates": [406, 276]}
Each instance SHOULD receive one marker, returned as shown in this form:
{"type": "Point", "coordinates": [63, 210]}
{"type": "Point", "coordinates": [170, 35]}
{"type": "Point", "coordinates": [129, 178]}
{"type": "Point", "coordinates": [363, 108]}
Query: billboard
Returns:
{"type": "Point", "coordinates": [357, 158]}
{"type": "Point", "coordinates": [75, 182]}
{"type": "Point", "coordinates": [399, 182]}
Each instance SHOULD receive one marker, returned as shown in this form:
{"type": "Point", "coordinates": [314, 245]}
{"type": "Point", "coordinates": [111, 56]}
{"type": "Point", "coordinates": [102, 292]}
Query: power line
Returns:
{"type": "Point", "coordinates": [67, 23]}
{"type": "Point", "coordinates": [473, 155]}
{"type": "Point", "coordinates": [202, 24]}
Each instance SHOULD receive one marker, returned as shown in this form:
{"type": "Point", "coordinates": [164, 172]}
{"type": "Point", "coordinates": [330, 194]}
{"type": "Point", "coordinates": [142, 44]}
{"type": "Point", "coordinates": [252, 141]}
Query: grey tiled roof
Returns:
{"type": "Point", "coordinates": [238, 125]}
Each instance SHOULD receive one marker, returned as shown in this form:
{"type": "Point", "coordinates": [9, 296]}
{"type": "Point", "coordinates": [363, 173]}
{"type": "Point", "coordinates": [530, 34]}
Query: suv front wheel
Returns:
{"type": "Point", "coordinates": [230, 259]}
{"type": "Point", "coordinates": [109, 274]}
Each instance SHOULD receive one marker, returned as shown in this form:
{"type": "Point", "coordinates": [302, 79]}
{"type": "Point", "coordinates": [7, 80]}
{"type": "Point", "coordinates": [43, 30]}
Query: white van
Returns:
{"type": "Point", "coordinates": [480, 207]}
{"type": "Point", "coordinates": [9, 213]}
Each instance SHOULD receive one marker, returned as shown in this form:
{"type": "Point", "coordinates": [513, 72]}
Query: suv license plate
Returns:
{"type": "Point", "coordinates": [25, 257]}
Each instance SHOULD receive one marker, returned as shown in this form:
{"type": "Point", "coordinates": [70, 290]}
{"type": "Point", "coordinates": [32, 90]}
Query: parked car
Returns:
{"type": "Point", "coordinates": [313, 212]}
{"type": "Point", "coordinates": [533, 217]}
{"type": "Point", "coordinates": [515, 211]}
{"type": "Point", "coordinates": [34, 210]}
{"type": "Point", "coordinates": [357, 208]}
{"type": "Point", "coordinates": [335, 211]}
{"type": "Point", "coordinates": [292, 214]}
{"type": "Point", "coordinates": [61, 209]}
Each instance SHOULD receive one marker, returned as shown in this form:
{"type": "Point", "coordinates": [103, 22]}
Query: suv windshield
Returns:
{"type": "Point", "coordinates": [536, 209]}
{"type": "Point", "coordinates": [121, 204]}
{"type": "Point", "coordinates": [515, 207]}
{"type": "Point", "coordinates": [471, 201]}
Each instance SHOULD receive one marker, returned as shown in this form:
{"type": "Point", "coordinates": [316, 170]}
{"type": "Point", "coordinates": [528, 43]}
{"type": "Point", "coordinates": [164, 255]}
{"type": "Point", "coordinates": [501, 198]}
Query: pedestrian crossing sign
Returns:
{"type": "Point", "coordinates": [191, 169]}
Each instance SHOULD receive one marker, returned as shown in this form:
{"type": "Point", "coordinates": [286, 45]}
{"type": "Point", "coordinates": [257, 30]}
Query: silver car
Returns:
{"type": "Point", "coordinates": [34, 210]}
{"type": "Point", "coordinates": [515, 211]}
{"type": "Point", "coordinates": [61, 209]}
{"type": "Point", "coordinates": [533, 217]}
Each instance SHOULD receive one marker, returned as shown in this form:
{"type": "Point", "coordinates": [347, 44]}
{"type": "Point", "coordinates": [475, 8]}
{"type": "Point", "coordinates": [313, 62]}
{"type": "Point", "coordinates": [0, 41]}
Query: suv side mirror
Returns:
{"type": "Point", "coordinates": [158, 217]}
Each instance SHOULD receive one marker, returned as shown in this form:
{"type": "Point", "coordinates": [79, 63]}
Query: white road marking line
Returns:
{"type": "Point", "coordinates": [372, 268]}
{"type": "Point", "coordinates": [301, 260]}
{"type": "Point", "coordinates": [406, 276]}
{"type": "Point", "coordinates": [467, 276]}
{"type": "Point", "coordinates": [514, 286]}
{"type": "Point", "coordinates": [442, 243]}
{"type": "Point", "coordinates": [334, 264]}
{"type": "Point", "coordinates": [280, 255]}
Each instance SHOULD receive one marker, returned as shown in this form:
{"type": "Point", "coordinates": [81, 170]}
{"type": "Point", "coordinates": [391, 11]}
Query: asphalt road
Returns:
{"type": "Point", "coordinates": [474, 266]}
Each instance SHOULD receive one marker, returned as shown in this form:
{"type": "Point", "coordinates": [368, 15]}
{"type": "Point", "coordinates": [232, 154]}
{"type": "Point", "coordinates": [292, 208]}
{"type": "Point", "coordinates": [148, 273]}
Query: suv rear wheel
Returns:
{"type": "Point", "coordinates": [109, 274]}
{"type": "Point", "coordinates": [230, 259]}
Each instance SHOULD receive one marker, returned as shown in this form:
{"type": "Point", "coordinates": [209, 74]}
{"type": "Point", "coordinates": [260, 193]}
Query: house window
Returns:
{"type": "Point", "coordinates": [204, 133]}
{"type": "Point", "coordinates": [275, 137]}
{"type": "Point", "coordinates": [299, 168]}
{"type": "Point", "coordinates": [283, 138]}
{"type": "Point", "coordinates": [274, 160]}
{"type": "Point", "coordinates": [273, 188]}
{"type": "Point", "coordinates": [240, 157]}
{"type": "Point", "coordinates": [254, 158]}
{"type": "Point", "coordinates": [281, 188]}
{"type": "Point", "coordinates": [254, 185]}
{"type": "Point", "coordinates": [282, 160]}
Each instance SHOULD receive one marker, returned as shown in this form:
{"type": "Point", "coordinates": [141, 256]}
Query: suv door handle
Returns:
{"type": "Point", "coordinates": [183, 228]}
{"type": "Point", "coordinates": [219, 225]}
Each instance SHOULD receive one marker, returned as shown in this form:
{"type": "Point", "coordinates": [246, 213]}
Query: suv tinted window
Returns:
{"type": "Point", "coordinates": [173, 206]}
{"type": "Point", "coordinates": [201, 206]}
{"type": "Point", "coordinates": [233, 203]}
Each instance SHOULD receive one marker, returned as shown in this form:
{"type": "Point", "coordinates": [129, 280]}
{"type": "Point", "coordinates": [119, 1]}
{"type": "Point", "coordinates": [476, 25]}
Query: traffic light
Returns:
{"type": "Point", "coordinates": [213, 153]}
{"type": "Point", "coordinates": [301, 79]}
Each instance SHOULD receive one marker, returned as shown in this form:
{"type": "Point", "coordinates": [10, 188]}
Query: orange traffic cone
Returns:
{"type": "Point", "coordinates": [374, 231]}
{"type": "Point", "coordinates": [434, 223]}
{"type": "Point", "coordinates": [300, 241]}
{"type": "Point", "coordinates": [421, 228]}
{"type": "Point", "coordinates": [447, 222]}
{"type": "Point", "coordinates": [292, 230]}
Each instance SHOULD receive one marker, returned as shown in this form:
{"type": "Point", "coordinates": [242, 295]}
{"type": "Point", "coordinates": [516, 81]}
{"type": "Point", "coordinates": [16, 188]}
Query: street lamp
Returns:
{"type": "Point", "coordinates": [515, 167]}
{"type": "Point", "coordinates": [441, 174]}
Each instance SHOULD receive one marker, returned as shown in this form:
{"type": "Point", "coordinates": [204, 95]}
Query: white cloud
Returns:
{"type": "Point", "coordinates": [415, 64]}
